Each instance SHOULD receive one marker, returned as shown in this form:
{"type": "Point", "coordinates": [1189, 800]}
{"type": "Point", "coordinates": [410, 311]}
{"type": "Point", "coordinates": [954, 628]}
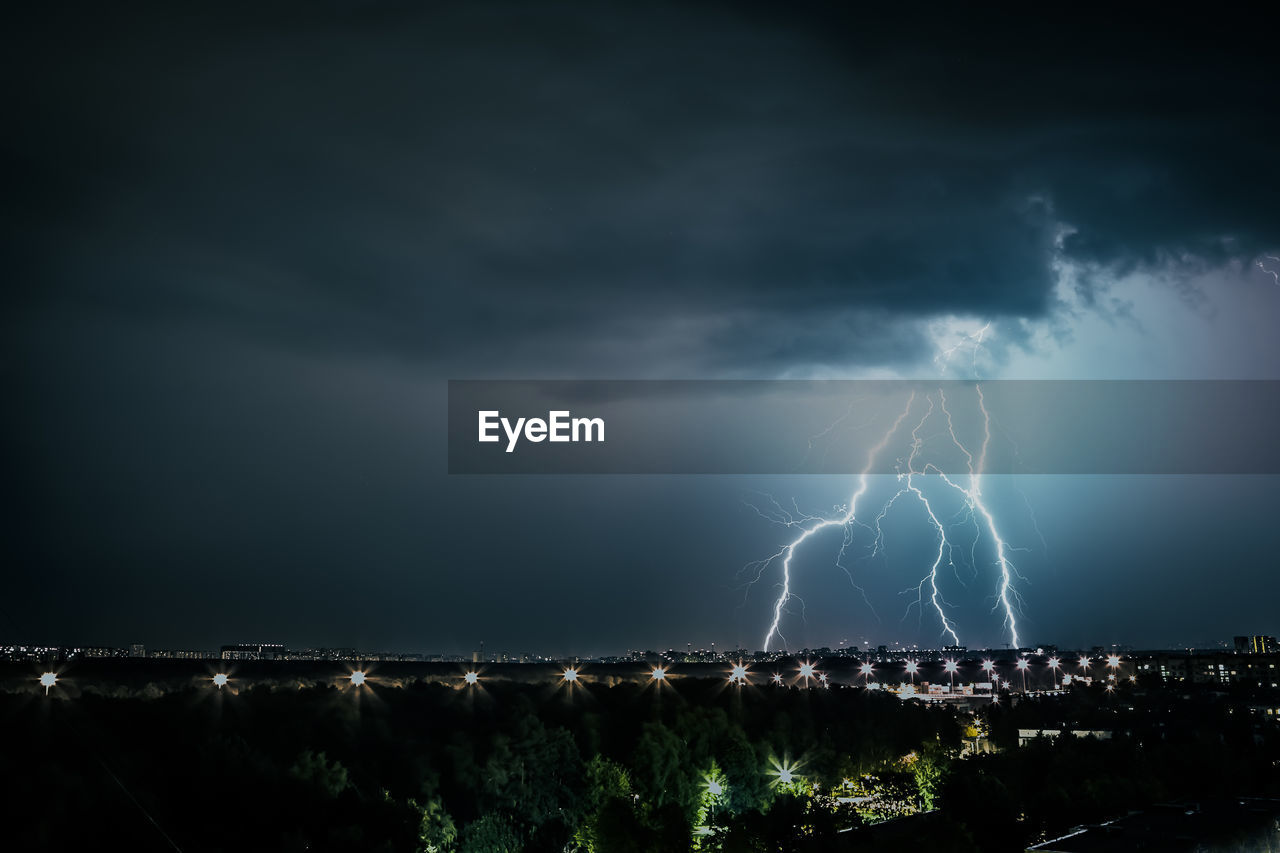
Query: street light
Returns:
{"type": "Point", "coordinates": [1022, 665]}
{"type": "Point", "coordinates": [715, 787]}
{"type": "Point", "coordinates": [1053, 665]}
{"type": "Point", "coordinates": [659, 674]}
{"type": "Point", "coordinates": [806, 672]}
{"type": "Point", "coordinates": [48, 680]}
{"type": "Point", "coordinates": [951, 667]}
{"type": "Point", "coordinates": [357, 677]}
{"type": "Point", "coordinates": [471, 678]}
{"type": "Point", "coordinates": [784, 772]}
{"type": "Point", "coordinates": [866, 673]}
{"type": "Point", "coordinates": [220, 680]}
{"type": "Point", "coordinates": [912, 669]}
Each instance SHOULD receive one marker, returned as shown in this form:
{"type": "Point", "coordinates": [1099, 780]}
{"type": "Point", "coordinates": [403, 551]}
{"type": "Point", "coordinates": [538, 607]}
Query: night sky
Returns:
{"type": "Point", "coordinates": [246, 246]}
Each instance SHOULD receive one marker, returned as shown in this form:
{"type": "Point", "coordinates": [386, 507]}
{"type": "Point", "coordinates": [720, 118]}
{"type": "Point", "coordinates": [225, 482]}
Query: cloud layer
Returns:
{"type": "Point", "coordinates": [727, 188]}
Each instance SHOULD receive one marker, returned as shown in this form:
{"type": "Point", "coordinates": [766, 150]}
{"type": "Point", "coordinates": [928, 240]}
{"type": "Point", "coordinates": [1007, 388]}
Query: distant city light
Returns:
{"type": "Point", "coordinates": [1053, 665]}
{"type": "Point", "coordinates": [808, 670]}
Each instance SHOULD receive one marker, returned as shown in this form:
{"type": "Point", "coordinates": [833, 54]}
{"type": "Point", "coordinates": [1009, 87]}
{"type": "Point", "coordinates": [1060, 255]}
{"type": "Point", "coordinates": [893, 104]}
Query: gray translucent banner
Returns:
{"type": "Point", "coordinates": [852, 426]}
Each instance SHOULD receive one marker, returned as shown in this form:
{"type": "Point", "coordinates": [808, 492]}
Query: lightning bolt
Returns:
{"type": "Point", "coordinates": [931, 578]}
{"type": "Point", "coordinates": [1006, 592]}
{"type": "Point", "coordinates": [913, 477]}
{"type": "Point", "coordinates": [976, 512]}
{"type": "Point", "coordinates": [811, 525]}
{"type": "Point", "coordinates": [1275, 274]}
{"type": "Point", "coordinates": [973, 340]}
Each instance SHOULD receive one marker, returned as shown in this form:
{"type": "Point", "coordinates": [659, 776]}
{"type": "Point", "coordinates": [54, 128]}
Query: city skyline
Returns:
{"type": "Point", "coordinates": [1240, 644]}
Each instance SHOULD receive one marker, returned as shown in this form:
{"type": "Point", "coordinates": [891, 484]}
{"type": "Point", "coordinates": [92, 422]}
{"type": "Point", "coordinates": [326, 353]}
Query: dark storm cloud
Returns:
{"type": "Point", "coordinates": [725, 185]}
{"type": "Point", "coordinates": [246, 243]}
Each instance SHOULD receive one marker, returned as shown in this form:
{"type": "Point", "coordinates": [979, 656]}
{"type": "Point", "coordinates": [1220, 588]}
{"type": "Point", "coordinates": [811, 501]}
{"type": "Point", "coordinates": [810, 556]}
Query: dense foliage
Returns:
{"type": "Point", "coordinates": [430, 767]}
{"type": "Point", "coordinates": [508, 766]}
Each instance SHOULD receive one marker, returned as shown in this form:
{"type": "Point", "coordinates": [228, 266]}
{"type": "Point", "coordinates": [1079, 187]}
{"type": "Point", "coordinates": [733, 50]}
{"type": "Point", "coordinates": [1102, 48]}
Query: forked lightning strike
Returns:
{"type": "Point", "coordinates": [1275, 274]}
{"type": "Point", "coordinates": [912, 478]}
{"type": "Point", "coordinates": [935, 598]}
{"type": "Point", "coordinates": [1006, 593]}
{"type": "Point", "coordinates": [843, 521]}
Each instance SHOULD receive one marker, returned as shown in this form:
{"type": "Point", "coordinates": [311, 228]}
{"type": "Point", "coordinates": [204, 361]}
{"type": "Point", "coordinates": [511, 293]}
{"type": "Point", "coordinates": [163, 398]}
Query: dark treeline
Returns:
{"type": "Point", "coordinates": [507, 767]}
{"type": "Point", "coordinates": [1193, 744]}
{"type": "Point", "coordinates": [427, 766]}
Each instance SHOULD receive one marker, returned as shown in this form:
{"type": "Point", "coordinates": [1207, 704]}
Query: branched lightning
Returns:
{"type": "Point", "coordinates": [818, 523]}
{"type": "Point", "coordinates": [914, 478]}
{"type": "Point", "coordinates": [1006, 593]}
{"type": "Point", "coordinates": [909, 487]}
{"type": "Point", "coordinates": [972, 340]}
{"type": "Point", "coordinates": [1275, 274]}
{"type": "Point", "coordinates": [943, 546]}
